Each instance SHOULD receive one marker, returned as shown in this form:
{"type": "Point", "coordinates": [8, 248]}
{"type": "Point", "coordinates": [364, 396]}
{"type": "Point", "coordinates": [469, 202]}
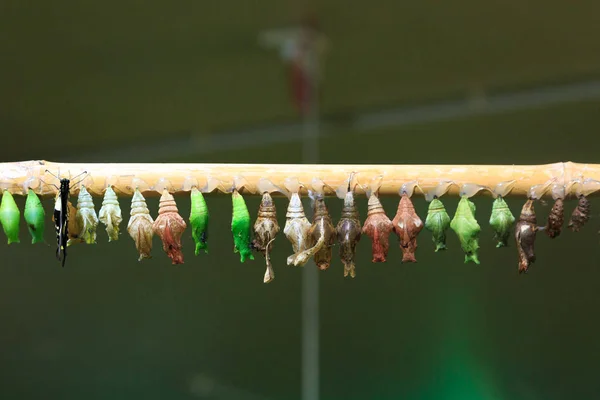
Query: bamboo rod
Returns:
{"type": "Point", "coordinates": [17, 177]}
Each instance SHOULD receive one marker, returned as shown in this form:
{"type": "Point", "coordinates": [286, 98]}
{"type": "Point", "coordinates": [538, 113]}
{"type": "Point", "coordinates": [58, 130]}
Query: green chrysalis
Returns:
{"type": "Point", "coordinates": [9, 217]}
{"type": "Point", "coordinates": [34, 216]}
{"type": "Point", "coordinates": [240, 227]}
{"type": "Point", "coordinates": [467, 229]}
{"type": "Point", "coordinates": [501, 221]}
{"type": "Point", "coordinates": [199, 220]}
{"type": "Point", "coordinates": [438, 221]}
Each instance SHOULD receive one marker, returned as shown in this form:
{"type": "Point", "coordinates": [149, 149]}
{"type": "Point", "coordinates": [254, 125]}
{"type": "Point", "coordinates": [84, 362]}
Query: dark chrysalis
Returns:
{"type": "Point", "coordinates": [580, 215]}
{"type": "Point", "coordinates": [348, 231]}
{"type": "Point", "coordinates": [556, 219]}
{"type": "Point", "coordinates": [525, 235]}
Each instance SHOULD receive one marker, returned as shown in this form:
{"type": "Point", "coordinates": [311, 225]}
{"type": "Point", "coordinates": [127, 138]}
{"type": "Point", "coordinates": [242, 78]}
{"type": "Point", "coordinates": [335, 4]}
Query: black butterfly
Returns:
{"type": "Point", "coordinates": [61, 216]}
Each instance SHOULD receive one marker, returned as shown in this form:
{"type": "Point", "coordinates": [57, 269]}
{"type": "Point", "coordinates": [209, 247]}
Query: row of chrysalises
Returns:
{"type": "Point", "coordinates": [309, 240]}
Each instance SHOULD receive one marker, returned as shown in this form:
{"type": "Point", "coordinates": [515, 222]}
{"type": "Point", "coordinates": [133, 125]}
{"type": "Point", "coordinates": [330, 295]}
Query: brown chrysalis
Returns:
{"type": "Point", "coordinates": [556, 219]}
{"type": "Point", "coordinates": [580, 215]}
{"type": "Point", "coordinates": [377, 225]}
{"type": "Point", "coordinates": [407, 226]}
{"type": "Point", "coordinates": [169, 226]}
{"type": "Point", "coordinates": [266, 227]}
{"type": "Point", "coordinates": [525, 236]}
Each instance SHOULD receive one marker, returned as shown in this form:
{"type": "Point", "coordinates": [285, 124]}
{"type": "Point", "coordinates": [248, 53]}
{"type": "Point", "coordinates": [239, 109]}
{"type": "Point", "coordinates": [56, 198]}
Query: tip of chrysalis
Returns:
{"type": "Point", "coordinates": [378, 258]}
{"type": "Point", "coordinates": [199, 247]}
{"type": "Point", "coordinates": [323, 266]}
{"type": "Point", "coordinates": [472, 257]}
{"type": "Point", "coordinates": [408, 258]}
{"type": "Point", "coordinates": [440, 246]}
{"type": "Point", "coordinates": [244, 256]}
{"type": "Point", "coordinates": [137, 196]}
{"type": "Point", "coordinates": [350, 270]}
{"type": "Point", "coordinates": [267, 200]}
{"type": "Point", "coordinates": [176, 259]}
{"type": "Point", "coordinates": [523, 267]}
{"type": "Point", "coordinates": [349, 200]}
{"type": "Point", "coordinates": [166, 196]}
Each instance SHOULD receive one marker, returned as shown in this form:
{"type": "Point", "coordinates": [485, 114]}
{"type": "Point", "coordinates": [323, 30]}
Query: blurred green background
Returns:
{"type": "Point", "coordinates": [102, 80]}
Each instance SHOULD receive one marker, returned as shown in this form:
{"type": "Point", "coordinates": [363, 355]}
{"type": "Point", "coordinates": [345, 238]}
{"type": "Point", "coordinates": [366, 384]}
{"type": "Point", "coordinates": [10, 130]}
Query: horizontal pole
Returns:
{"type": "Point", "coordinates": [151, 179]}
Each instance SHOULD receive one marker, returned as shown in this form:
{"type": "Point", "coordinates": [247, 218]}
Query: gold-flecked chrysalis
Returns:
{"type": "Point", "coordinates": [266, 227]}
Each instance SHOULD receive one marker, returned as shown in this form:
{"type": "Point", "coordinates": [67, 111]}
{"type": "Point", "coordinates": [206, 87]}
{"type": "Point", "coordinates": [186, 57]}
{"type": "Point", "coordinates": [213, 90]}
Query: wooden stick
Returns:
{"type": "Point", "coordinates": [17, 177]}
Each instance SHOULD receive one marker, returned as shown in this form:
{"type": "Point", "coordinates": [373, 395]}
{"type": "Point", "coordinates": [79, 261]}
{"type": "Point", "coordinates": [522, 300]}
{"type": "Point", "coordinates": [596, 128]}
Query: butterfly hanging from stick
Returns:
{"type": "Point", "coordinates": [61, 214]}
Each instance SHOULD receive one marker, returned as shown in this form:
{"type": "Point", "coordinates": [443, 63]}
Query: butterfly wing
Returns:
{"type": "Point", "coordinates": [61, 216]}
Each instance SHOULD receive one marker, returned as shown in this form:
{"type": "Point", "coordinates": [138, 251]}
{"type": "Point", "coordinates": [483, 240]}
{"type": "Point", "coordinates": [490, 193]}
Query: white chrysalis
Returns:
{"type": "Point", "coordinates": [110, 214]}
{"type": "Point", "coordinates": [86, 216]}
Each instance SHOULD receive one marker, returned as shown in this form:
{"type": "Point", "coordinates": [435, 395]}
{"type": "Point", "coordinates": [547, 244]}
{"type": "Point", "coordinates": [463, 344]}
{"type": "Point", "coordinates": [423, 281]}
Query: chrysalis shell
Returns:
{"type": "Point", "coordinates": [266, 229]}
{"type": "Point", "coordinates": [407, 226]}
{"type": "Point", "coordinates": [501, 221]}
{"type": "Point", "coordinates": [525, 233]}
{"type": "Point", "coordinates": [437, 222]}
{"type": "Point", "coordinates": [556, 219]}
{"type": "Point", "coordinates": [296, 226]}
{"type": "Point", "coordinates": [34, 216]}
{"type": "Point", "coordinates": [378, 227]}
{"type": "Point", "coordinates": [86, 216]}
{"type": "Point", "coordinates": [321, 236]}
{"type": "Point", "coordinates": [110, 214]}
{"type": "Point", "coordinates": [74, 227]}
{"type": "Point", "coordinates": [348, 234]}
{"type": "Point", "coordinates": [240, 227]}
{"type": "Point", "coordinates": [580, 215]}
{"type": "Point", "coordinates": [199, 220]}
{"type": "Point", "coordinates": [467, 229]}
{"type": "Point", "coordinates": [9, 217]}
{"type": "Point", "coordinates": [170, 226]}
{"type": "Point", "coordinates": [140, 225]}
